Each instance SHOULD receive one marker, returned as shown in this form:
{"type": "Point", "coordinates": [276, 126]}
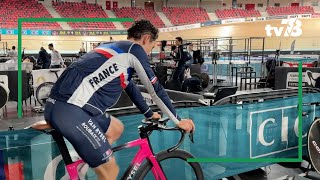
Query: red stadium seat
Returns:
{"type": "Point", "coordinates": [275, 11]}
{"type": "Point", "coordinates": [236, 13]}
{"type": "Point", "coordinates": [180, 15]}
{"type": "Point", "coordinates": [84, 10]}
{"type": "Point", "coordinates": [138, 13]}
{"type": "Point", "coordinates": [11, 10]}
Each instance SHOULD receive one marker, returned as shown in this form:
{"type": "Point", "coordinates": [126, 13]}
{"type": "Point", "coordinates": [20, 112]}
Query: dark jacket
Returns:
{"type": "Point", "coordinates": [181, 56]}
{"type": "Point", "coordinates": [44, 57]}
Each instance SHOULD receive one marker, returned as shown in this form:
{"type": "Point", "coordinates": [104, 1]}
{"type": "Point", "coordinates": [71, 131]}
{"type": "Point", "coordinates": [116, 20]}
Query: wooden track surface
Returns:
{"type": "Point", "coordinates": [309, 40]}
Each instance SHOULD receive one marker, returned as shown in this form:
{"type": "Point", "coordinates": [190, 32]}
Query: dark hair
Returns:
{"type": "Point", "coordinates": [142, 27]}
{"type": "Point", "coordinates": [179, 39]}
{"type": "Point", "coordinates": [13, 47]}
{"type": "Point", "coordinates": [51, 44]}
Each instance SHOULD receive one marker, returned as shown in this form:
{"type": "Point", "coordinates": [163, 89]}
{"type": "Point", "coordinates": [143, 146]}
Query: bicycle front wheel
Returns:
{"type": "Point", "coordinates": [314, 143]}
{"type": "Point", "coordinates": [43, 92]}
{"type": "Point", "coordinates": [174, 166]}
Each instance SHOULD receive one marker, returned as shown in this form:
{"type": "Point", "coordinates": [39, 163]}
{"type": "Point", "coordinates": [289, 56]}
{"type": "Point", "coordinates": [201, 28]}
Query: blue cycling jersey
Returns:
{"type": "Point", "coordinates": [95, 82]}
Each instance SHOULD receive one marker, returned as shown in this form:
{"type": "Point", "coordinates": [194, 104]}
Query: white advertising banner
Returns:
{"type": "Point", "coordinates": [299, 16]}
{"type": "Point", "coordinates": [227, 21]}
{"type": "Point", "coordinates": [251, 19]}
{"type": "Point", "coordinates": [309, 79]}
{"type": "Point", "coordinates": [180, 28]}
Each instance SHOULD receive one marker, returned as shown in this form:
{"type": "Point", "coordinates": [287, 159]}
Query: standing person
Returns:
{"type": "Point", "coordinates": [90, 86]}
{"type": "Point", "coordinates": [81, 52]}
{"type": "Point", "coordinates": [56, 59]}
{"type": "Point", "coordinates": [13, 54]}
{"type": "Point", "coordinates": [189, 56]}
{"type": "Point", "coordinates": [44, 59]}
{"type": "Point", "coordinates": [181, 61]}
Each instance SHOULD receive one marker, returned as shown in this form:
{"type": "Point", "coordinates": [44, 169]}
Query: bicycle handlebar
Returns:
{"type": "Point", "coordinates": [161, 125]}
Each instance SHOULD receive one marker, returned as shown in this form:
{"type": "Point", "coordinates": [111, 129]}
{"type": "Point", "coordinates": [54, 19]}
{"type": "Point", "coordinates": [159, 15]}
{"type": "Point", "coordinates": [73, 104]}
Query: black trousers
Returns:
{"type": "Point", "coordinates": [179, 74]}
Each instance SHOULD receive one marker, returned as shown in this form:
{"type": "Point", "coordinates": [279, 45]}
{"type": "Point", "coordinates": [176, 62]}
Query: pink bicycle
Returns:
{"type": "Point", "coordinates": [136, 169]}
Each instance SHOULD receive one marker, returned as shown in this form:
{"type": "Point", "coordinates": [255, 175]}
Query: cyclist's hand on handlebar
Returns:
{"type": "Point", "coordinates": [187, 125]}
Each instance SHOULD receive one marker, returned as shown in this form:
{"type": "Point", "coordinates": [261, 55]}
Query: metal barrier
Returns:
{"type": "Point", "coordinates": [177, 95]}
{"type": "Point", "coordinates": [126, 111]}
{"type": "Point", "coordinates": [263, 96]}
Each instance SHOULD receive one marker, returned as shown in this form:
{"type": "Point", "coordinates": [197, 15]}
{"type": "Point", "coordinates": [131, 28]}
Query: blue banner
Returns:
{"type": "Point", "coordinates": [26, 32]}
{"type": "Point", "coordinates": [267, 129]}
{"type": "Point", "coordinates": [2, 172]}
{"type": "Point", "coordinates": [210, 23]}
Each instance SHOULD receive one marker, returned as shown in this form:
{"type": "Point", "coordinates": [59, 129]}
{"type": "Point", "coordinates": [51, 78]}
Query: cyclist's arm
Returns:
{"type": "Point", "coordinates": [135, 95]}
{"type": "Point", "coordinates": [140, 62]}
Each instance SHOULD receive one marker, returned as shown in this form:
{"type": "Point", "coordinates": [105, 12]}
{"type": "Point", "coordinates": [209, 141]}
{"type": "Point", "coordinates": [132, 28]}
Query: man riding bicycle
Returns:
{"type": "Point", "coordinates": [87, 88]}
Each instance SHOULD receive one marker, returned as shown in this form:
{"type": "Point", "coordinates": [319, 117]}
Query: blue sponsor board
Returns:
{"type": "Point", "coordinates": [26, 32]}
{"type": "Point", "coordinates": [2, 172]}
{"type": "Point", "coordinates": [210, 23]}
{"type": "Point", "coordinates": [275, 130]}
{"type": "Point", "coordinates": [267, 129]}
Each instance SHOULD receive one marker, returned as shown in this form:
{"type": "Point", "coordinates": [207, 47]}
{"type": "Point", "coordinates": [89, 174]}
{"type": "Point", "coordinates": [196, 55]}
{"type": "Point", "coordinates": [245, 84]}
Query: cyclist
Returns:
{"type": "Point", "coordinates": [88, 87]}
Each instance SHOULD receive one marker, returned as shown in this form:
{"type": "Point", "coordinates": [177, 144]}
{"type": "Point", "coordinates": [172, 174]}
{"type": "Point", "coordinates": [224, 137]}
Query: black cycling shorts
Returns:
{"type": "Point", "coordinates": [84, 132]}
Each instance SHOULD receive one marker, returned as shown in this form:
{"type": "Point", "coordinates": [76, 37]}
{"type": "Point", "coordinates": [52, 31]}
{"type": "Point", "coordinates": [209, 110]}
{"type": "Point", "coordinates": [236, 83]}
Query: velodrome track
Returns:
{"type": "Point", "coordinates": [309, 39]}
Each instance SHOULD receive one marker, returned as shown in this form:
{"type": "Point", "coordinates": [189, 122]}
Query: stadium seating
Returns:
{"type": "Point", "coordinates": [11, 10]}
{"type": "Point", "coordinates": [276, 11]}
{"type": "Point", "coordinates": [138, 13]}
{"type": "Point", "coordinates": [180, 15]}
{"type": "Point", "coordinates": [236, 13]}
{"type": "Point", "coordinates": [83, 10]}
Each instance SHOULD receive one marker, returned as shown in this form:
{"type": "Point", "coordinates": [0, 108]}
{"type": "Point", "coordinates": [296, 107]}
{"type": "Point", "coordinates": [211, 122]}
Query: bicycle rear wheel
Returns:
{"type": "Point", "coordinates": [43, 92]}
{"type": "Point", "coordinates": [314, 144]}
{"type": "Point", "coordinates": [4, 94]}
{"type": "Point", "coordinates": [193, 169]}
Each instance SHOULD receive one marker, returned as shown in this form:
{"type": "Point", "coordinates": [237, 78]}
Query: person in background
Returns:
{"type": "Point", "coordinates": [111, 39]}
{"type": "Point", "coordinates": [56, 59]}
{"type": "Point", "coordinates": [44, 59]}
{"type": "Point", "coordinates": [81, 52]}
{"type": "Point", "coordinates": [181, 61]}
{"type": "Point", "coordinates": [216, 55]}
{"type": "Point", "coordinates": [13, 54]}
{"type": "Point", "coordinates": [189, 56]}
{"type": "Point", "coordinates": [190, 49]}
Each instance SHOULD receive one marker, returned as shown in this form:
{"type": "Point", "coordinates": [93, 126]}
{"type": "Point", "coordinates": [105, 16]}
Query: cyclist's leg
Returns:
{"type": "Point", "coordinates": [113, 127]}
{"type": "Point", "coordinates": [115, 130]}
{"type": "Point", "coordinates": [108, 170]}
{"type": "Point", "coordinates": [85, 134]}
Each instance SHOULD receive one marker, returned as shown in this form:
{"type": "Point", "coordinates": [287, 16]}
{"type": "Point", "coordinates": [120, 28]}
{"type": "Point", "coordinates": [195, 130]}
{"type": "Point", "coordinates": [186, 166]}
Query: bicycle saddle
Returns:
{"type": "Point", "coordinates": [41, 125]}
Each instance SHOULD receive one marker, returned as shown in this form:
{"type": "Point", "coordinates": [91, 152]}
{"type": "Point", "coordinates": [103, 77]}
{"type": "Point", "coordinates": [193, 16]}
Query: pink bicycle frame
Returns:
{"type": "Point", "coordinates": [143, 153]}
{"type": "Point", "coordinates": [73, 169]}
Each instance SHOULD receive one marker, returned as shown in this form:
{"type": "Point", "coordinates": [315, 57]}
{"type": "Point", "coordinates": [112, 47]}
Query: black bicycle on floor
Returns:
{"type": "Point", "coordinates": [43, 91]}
